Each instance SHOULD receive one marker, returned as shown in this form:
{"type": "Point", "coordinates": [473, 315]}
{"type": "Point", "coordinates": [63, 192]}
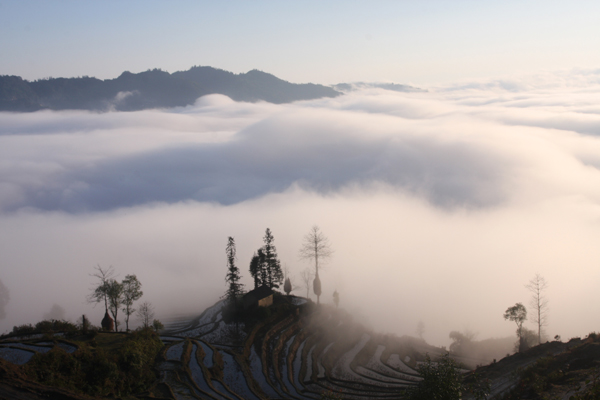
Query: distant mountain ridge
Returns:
{"type": "Point", "coordinates": [151, 89]}
{"type": "Point", "coordinates": [395, 87]}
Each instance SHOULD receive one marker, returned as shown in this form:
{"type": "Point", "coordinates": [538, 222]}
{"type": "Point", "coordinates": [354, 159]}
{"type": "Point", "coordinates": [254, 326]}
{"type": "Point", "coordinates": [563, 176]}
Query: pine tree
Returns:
{"type": "Point", "coordinates": [255, 271]}
{"type": "Point", "coordinates": [274, 275]}
{"type": "Point", "coordinates": [262, 267]}
{"type": "Point", "coordinates": [233, 273]}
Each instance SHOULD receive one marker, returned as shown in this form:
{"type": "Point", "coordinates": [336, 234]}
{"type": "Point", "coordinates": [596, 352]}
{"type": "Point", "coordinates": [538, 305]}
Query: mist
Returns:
{"type": "Point", "coordinates": [440, 206]}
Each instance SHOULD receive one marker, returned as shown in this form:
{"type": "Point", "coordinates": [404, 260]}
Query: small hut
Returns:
{"type": "Point", "coordinates": [107, 322]}
{"type": "Point", "coordinates": [259, 297]}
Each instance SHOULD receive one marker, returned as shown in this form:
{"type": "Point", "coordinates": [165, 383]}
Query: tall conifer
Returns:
{"type": "Point", "coordinates": [233, 273]}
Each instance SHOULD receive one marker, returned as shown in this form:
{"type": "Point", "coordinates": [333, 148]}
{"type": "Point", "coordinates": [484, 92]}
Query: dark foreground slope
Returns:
{"type": "Point", "coordinates": [150, 89]}
{"type": "Point", "coordinates": [553, 370]}
{"type": "Point", "coordinates": [292, 350]}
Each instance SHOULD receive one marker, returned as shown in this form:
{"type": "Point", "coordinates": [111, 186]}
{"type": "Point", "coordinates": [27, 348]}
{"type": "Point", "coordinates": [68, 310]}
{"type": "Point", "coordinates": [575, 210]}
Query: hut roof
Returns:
{"type": "Point", "coordinates": [260, 292]}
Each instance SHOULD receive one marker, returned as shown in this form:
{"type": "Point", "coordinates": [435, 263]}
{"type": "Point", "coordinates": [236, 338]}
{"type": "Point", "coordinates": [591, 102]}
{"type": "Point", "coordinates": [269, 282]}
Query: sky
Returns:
{"type": "Point", "coordinates": [422, 43]}
{"type": "Point", "coordinates": [440, 205]}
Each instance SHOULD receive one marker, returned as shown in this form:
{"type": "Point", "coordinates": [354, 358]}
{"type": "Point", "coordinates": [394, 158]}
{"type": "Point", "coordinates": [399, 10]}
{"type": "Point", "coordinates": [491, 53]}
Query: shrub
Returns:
{"type": "Point", "coordinates": [125, 370]}
{"type": "Point", "coordinates": [441, 380]}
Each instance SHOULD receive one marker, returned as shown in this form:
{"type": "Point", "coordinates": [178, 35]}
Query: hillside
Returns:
{"type": "Point", "coordinates": [298, 350]}
{"type": "Point", "coordinates": [291, 350]}
{"type": "Point", "coordinates": [150, 89]}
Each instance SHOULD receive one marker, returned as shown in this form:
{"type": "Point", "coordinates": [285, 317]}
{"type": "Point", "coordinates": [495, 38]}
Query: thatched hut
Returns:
{"type": "Point", "coordinates": [259, 297]}
{"type": "Point", "coordinates": [107, 322]}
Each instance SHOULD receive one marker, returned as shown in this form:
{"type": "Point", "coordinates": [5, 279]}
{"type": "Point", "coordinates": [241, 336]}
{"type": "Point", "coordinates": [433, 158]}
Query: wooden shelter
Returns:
{"type": "Point", "coordinates": [259, 297]}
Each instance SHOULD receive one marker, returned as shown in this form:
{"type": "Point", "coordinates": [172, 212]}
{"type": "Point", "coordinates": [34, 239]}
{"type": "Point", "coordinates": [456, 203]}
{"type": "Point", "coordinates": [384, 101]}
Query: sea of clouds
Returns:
{"type": "Point", "coordinates": [440, 205]}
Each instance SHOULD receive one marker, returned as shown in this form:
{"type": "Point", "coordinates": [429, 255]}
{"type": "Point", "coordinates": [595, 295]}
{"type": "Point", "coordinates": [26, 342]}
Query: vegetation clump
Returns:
{"type": "Point", "coordinates": [109, 365]}
{"type": "Point", "coordinates": [442, 380]}
{"type": "Point", "coordinates": [48, 327]}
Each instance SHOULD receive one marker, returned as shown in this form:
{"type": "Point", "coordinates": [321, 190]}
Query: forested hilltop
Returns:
{"type": "Point", "coordinates": [150, 89]}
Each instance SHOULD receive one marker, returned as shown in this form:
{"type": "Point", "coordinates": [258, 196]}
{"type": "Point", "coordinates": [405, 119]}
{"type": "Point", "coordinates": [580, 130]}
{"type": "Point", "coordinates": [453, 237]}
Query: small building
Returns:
{"type": "Point", "coordinates": [259, 297]}
{"type": "Point", "coordinates": [107, 322]}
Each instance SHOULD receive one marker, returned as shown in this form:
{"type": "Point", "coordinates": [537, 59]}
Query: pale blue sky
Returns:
{"type": "Point", "coordinates": [424, 42]}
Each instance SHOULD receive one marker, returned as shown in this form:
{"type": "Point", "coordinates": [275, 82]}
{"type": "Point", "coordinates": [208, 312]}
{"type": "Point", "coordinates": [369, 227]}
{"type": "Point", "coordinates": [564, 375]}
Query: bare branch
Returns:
{"type": "Point", "coordinates": [539, 303]}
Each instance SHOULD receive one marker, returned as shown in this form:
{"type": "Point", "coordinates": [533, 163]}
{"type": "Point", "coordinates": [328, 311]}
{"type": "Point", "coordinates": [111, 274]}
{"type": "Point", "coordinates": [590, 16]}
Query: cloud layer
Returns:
{"type": "Point", "coordinates": [443, 203]}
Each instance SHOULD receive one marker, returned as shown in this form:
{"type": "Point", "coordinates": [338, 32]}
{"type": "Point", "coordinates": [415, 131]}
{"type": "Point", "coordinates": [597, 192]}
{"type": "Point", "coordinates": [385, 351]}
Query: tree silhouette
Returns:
{"type": "Point", "coordinates": [317, 287]}
{"type": "Point", "coordinates": [255, 271]}
{"type": "Point", "coordinates": [537, 286]}
{"type": "Point", "coordinates": [4, 299]}
{"type": "Point", "coordinates": [132, 291]}
{"type": "Point", "coordinates": [336, 298]}
{"type": "Point", "coordinates": [316, 247]}
{"type": "Point", "coordinates": [517, 314]}
{"type": "Point", "coordinates": [306, 276]}
{"type": "Point", "coordinates": [114, 293]}
{"type": "Point", "coordinates": [272, 266]}
{"type": "Point", "coordinates": [99, 292]}
{"type": "Point", "coordinates": [146, 314]}
{"type": "Point", "coordinates": [420, 329]}
{"type": "Point", "coordinates": [287, 286]}
{"type": "Point", "coordinates": [233, 273]}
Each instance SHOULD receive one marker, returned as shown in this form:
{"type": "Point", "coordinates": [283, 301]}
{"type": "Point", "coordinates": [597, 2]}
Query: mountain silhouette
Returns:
{"type": "Point", "coordinates": [151, 89]}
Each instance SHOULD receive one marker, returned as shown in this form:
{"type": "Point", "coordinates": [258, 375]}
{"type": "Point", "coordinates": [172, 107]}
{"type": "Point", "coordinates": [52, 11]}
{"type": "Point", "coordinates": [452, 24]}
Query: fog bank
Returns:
{"type": "Point", "coordinates": [440, 206]}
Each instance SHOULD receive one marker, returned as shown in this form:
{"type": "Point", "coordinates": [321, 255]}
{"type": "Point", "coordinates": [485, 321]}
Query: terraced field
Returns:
{"type": "Point", "coordinates": [20, 350]}
{"type": "Point", "coordinates": [299, 353]}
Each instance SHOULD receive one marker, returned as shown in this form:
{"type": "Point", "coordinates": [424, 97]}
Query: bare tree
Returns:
{"type": "Point", "coordinates": [132, 291]}
{"type": "Point", "coordinates": [537, 286]}
{"type": "Point", "coordinates": [99, 292]}
{"type": "Point", "coordinates": [306, 277]}
{"type": "Point", "coordinates": [336, 298]}
{"type": "Point", "coordinates": [316, 247]}
{"type": "Point", "coordinates": [146, 314]}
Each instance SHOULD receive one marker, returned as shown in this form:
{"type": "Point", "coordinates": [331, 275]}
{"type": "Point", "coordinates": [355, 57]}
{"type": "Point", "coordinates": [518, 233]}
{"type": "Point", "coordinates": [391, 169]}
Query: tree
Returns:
{"type": "Point", "coordinates": [306, 277]}
{"type": "Point", "coordinates": [461, 341]}
{"type": "Point", "coordinates": [233, 273]}
{"type": "Point", "coordinates": [420, 329]}
{"type": "Point", "coordinates": [157, 325]}
{"type": "Point", "coordinates": [316, 247]}
{"type": "Point", "coordinates": [262, 267]}
{"type": "Point", "coordinates": [287, 286]}
{"type": "Point", "coordinates": [99, 292]}
{"type": "Point", "coordinates": [114, 294]}
{"type": "Point", "coordinates": [317, 286]}
{"type": "Point", "coordinates": [255, 271]}
{"type": "Point", "coordinates": [442, 380]}
{"type": "Point", "coordinates": [146, 314]}
{"type": "Point", "coordinates": [4, 299]}
{"type": "Point", "coordinates": [517, 314]}
{"type": "Point", "coordinates": [537, 286]}
{"type": "Point", "coordinates": [336, 298]}
{"type": "Point", "coordinates": [56, 313]}
{"type": "Point", "coordinates": [529, 339]}
{"type": "Point", "coordinates": [131, 292]}
{"type": "Point", "coordinates": [272, 266]}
